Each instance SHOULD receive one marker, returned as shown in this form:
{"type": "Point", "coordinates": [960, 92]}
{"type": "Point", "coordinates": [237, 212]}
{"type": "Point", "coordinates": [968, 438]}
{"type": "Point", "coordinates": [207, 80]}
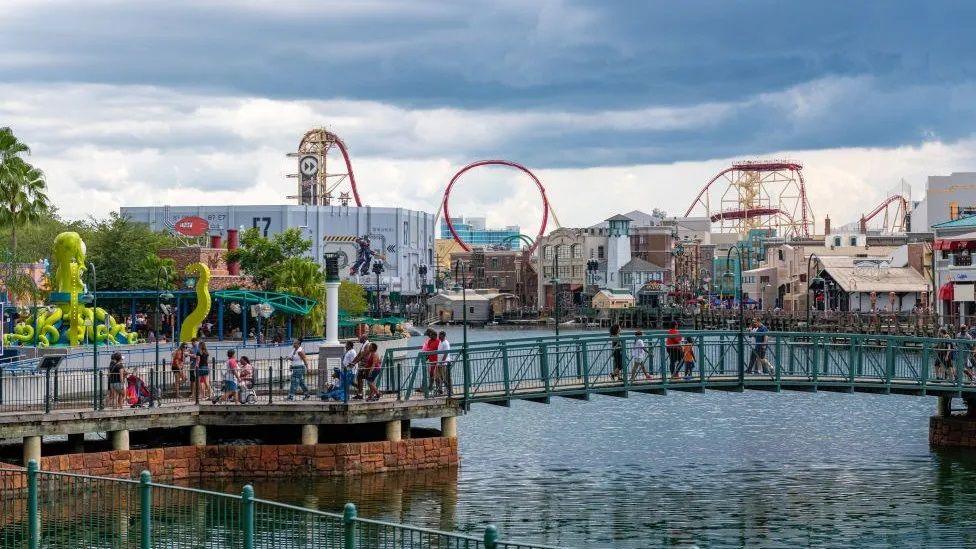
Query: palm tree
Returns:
{"type": "Point", "coordinates": [23, 192]}
{"type": "Point", "coordinates": [304, 277]}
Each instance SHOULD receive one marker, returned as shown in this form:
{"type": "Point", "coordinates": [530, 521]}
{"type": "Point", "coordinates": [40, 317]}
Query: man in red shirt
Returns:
{"type": "Point", "coordinates": [430, 346]}
{"type": "Point", "coordinates": [673, 345]}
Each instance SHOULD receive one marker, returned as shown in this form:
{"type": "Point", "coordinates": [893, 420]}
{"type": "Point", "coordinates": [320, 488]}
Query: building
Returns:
{"type": "Point", "coordinates": [444, 249]}
{"type": "Point", "coordinates": [613, 298]}
{"type": "Point", "coordinates": [869, 284]}
{"type": "Point", "coordinates": [508, 271]}
{"type": "Point", "coordinates": [483, 305]}
{"type": "Point", "coordinates": [955, 275]}
{"type": "Point", "coordinates": [402, 239]}
{"type": "Point", "coordinates": [213, 258]}
{"type": "Point", "coordinates": [472, 231]}
{"type": "Point", "coordinates": [947, 197]}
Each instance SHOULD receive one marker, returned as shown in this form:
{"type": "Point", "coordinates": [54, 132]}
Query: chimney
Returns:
{"type": "Point", "coordinates": [215, 241]}
{"type": "Point", "coordinates": [827, 225]}
{"type": "Point", "coordinates": [232, 242]}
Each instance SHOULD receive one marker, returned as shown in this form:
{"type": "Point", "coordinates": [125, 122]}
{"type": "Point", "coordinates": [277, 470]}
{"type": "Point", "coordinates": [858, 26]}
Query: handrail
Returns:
{"type": "Point", "coordinates": [238, 520]}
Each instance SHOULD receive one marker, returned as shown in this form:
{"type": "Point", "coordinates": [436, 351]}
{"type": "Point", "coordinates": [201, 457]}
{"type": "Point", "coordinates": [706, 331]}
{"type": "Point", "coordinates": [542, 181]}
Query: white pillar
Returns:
{"type": "Point", "coordinates": [32, 449]}
{"type": "Point", "coordinates": [198, 435]}
{"type": "Point", "coordinates": [120, 439]}
{"type": "Point", "coordinates": [310, 435]}
{"type": "Point", "coordinates": [449, 426]}
{"type": "Point", "coordinates": [332, 313]}
{"type": "Point", "coordinates": [394, 431]}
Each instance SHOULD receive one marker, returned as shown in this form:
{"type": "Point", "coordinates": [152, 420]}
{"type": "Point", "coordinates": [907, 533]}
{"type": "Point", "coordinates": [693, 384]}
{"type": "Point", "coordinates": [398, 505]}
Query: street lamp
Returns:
{"type": "Point", "coordinates": [555, 284]}
{"type": "Point", "coordinates": [159, 297]}
{"type": "Point", "coordinates": [92, 297]}
{"type": "Point", "coordinates": [737, 292]}
{"type": "Point", "coordinates": [810, 283]}
{"type": "Point", "coordinates": [377, 270]}
{"type": "Point", "coordinates": [458, 267]}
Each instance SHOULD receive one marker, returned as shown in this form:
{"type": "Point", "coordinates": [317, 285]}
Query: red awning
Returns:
{"type": "Point", "coordinates": [951, 245]}
{"type": "Point", "coordinates": [946, 292]}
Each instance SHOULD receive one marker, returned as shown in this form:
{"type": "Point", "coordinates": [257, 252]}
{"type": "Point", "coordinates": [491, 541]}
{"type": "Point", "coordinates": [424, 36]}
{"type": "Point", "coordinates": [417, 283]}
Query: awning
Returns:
{"type": "Point", "coordinates": [946, 292]}
{"type": "Point", "coordinates": [953, 243]}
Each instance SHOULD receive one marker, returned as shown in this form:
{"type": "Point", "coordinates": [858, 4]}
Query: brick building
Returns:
{"type": "Point", "coordinates": [220, 278]}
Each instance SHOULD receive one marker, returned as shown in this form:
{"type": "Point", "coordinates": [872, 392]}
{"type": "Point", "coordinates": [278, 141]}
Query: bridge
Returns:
{"type": "Point", "coordinates": [579, 366]}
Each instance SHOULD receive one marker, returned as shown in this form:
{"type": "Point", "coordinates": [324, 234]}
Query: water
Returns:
{"type": "Point", "coordinates": [712, 470]}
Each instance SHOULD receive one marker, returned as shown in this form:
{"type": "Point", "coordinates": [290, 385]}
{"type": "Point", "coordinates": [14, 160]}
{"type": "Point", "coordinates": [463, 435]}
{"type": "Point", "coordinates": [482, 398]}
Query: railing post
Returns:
{"type": "Point", "coordinates": [491, 537]}
{"type": "Point", "coordinates": [47, 390]}
{"type": "Point", "coordinates": [33, 517]}
{"type": "Point", "coordinates": [145, 510]}
{"type": "Point", "coordinates": [505, 370]}
{"type": "Point", "coordinates": [281, 371]}
{"type": "Point", "coordinates": [585, 364]}
{"type": "Point", "coordinates": [271, 382]}
{"type": "Point", "coordinates": [94, 400]}
{"type": "Point", "coordinates": [247, 515]}
{"type": "Point", "coordinates": [349, 523]}
{"type": "Point", "coordinates": [544, 366]}
{"type": "Point", "coordinates": [466, 372]}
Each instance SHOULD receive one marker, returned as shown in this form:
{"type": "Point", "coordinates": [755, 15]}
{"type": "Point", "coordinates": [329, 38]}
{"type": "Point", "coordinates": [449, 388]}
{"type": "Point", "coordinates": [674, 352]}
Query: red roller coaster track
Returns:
{"type": "Point", "coordinates": [760, 166]}
{"type": "Point", "coordinates": [542, 192]}
{"type": "Point", "coordinates": [902, 205]}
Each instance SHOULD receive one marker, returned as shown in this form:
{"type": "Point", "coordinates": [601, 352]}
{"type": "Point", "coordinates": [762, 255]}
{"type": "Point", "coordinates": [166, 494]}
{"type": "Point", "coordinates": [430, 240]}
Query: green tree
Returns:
{"type": "Point", "coordinates": [121, 248]}
{"type": "Point", "coordinates": [261, 257]}
{"type": "Point", "coordinates": [23, 191]}
{"type": "Point", "coordinates": [304, 277]}
{"type": "Point", "coordinates": [352, 298]}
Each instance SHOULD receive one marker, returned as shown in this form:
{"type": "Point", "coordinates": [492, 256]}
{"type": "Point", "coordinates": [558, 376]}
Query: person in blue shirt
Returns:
{"type": "Point", "coordinates": [757, 359]}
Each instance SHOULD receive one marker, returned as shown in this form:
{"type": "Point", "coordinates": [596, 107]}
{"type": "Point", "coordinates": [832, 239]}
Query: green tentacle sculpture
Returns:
{"type": "Point", "coordinates": [191, 324]}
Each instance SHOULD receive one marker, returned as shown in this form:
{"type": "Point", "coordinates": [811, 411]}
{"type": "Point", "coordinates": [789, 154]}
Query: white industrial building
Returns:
{"type": "Point", "coordinates": [403, 239]}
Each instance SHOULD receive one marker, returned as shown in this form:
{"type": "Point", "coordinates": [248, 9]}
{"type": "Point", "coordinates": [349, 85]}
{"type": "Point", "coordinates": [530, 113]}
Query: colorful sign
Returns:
{"type": "Point", "coordinates": [192, 226]}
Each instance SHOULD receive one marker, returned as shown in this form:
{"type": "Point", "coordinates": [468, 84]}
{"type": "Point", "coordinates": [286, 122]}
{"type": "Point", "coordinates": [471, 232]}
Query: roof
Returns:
{"type": "Point", "coordinates": [958, 223]}
{"type": "Point", "coordinates": [638, 265]}
{"type": "Point", "coordinates": [868, 278]}
{"type": "Point", "coordinates": [282, 302]}
{"type": "Point", "coordinates": [615, 294]}
{"type": "Point", "coordinates": [620, 217]}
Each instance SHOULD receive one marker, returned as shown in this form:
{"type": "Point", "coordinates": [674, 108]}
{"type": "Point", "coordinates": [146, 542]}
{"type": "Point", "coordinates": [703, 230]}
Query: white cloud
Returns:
{"type": "Point", "coordinates": [106, 146]}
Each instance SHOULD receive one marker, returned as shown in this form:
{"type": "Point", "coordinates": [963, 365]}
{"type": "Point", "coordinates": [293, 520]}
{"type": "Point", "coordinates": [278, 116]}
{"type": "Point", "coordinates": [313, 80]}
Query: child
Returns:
{"type": "Point", "coordinates": [688, 356]}
{"type": "Point", "coordinates": [639, 356]}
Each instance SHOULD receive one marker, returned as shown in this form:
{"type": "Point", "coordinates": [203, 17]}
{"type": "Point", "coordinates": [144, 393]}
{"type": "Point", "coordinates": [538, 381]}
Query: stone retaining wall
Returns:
{"type": "Point", "coordinates": [952, 432]}
{"type": "Point", "coordinates": [261, 461]}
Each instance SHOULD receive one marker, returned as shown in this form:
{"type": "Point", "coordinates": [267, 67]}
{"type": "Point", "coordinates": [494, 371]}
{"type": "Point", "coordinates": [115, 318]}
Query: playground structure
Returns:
{"type": "Point", "coordinates": [757, 195]}
{"type": "Point", "coordinates": [317, 185]}
{"type": "Point", "coordinates": [66, 320]}
{"type": "Point", "coordinates": [546, 207]}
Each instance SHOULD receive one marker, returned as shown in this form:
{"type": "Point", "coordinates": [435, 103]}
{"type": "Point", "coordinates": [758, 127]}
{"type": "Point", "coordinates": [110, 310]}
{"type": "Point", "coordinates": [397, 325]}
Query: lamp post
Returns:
{"type": "Point", "coordinates": [377, 270]}
{"type": "Point", "coordinates": [810, 282]}
{"type": "Point", "coordinates": [737, 292]}
{"type": "Point", "coordinates": [92, 297]}
{"type": "Point", "coordinates": [159, 296]}
{"type": "Point", "coordinates": [458, 267]}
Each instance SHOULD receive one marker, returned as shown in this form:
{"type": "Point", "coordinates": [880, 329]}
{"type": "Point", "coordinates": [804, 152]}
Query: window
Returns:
{"type": "Point", "coordinates": [564, 251]}
{"type": "Point", "coordinates": [599, 252]}
{"type": "Point", "coordinates": [577, 271]}
{"type": "Point", "coordinates": [564, 271]}
{"type": "Point", "coordinates": [547, 252]}
{"type": "Point", "coordinates": [764, 279]}
{"type": "Point", "coordinates": [547, 271]}
{"type": "Point", "coordinates": [494, 263]}
{"type": "Point", "coordinates": [494, 281]}
{"type": "Point", "coordinates": [591, 253]}
{"type": "Point", "coordinates": [779, 253]}
{"type": "Point", "coordinates": [837, 241]}
{"type": "Point", "coordinates": [853, 241]}
{"type": "Point", "coordinates": [577, 251]}
{"type": "Point", "coordinates": [471, 310]}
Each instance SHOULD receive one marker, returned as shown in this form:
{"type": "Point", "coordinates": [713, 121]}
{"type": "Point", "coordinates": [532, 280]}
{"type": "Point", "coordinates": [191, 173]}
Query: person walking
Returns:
{"type": "Point", "coordinates": [673, 345]}
{"type": "Point", "coordinates": [116, 387]}
{"type": "Point", "coordinates": [639, 356]}
{"type": "Point", "coordinates": [360, 370]}
{"type": "Point", "coordinates": [349, 368]}
{"type": "Point", "coordinates": [758, 355]}
{"type": "Point", "coordinates": [430, 346]}
{"type": "Point", "coordinates": [617, 351]}
{"type": "Point", "coordinates": [444, 363]}
{"type": "Point", "coordinates": [231, 380]}
{"type": "Point", "coordinates": [688, 356]}
{"type": "Point", "coordinates": [374, 366]}
{"type": "Point", "coordinates": [299, 364]}
{"type": "Point", "coordinates": [178, 367]}
{"type": "Point", "coordinates": [203, 370]}
{"type": "Point", "coordinates": [192, 359]}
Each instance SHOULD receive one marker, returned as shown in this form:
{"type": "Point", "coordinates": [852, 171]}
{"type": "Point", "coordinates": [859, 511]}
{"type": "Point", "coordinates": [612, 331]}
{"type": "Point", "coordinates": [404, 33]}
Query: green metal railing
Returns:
{"type": "Point", "coordinates": [52, 510]}
{"type": "Point", "coordinates": [580, 365]}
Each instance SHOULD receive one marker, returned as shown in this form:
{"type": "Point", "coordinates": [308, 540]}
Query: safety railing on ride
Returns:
{"type": "Point", "coordinates": [53, 510]}
{"type": "Point", "coordinates": [536, 367]}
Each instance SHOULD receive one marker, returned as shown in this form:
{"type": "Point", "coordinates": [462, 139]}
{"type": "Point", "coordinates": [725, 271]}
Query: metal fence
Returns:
{"type": "Point", "coordinates": [534, 368]}
{"type": "Point", "coordinates": [53, 510]}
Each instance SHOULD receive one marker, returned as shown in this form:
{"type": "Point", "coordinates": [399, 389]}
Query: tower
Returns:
{"type": "Point", "coordinates": [618, 249]}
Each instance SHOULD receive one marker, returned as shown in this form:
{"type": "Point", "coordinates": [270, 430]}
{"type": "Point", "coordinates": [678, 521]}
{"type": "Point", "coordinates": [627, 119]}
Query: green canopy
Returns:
{"type": "Point", "coordinates": [282, 302]}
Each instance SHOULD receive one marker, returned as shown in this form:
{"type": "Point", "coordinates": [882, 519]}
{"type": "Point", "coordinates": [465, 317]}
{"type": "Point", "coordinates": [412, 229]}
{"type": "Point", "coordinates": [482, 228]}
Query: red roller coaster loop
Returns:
{"type": "Point", "coordinates": [319, 142]}
{"type": "Point", "coordinates": [898, 222]}
{"type": "Point", "coordinates": [542, 192]}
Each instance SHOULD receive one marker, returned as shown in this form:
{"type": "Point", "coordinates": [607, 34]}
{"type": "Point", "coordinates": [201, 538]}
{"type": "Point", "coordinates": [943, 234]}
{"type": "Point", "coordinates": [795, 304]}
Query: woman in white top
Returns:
{"type": "Point", "coordinates": [299, 363]}
{"type": "Point", "coordinates": [443, 363]}
{"type": "Point", "coordinates": [640, 356]}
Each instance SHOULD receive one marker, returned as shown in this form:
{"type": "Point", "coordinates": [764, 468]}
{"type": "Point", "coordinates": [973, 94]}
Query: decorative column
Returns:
{"type": "Point", "coordinates": [330, 352]}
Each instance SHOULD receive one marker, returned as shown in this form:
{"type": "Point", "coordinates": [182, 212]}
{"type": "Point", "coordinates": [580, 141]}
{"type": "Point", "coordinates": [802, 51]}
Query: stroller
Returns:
{"type": "Point", "coordinates": [138, 394]}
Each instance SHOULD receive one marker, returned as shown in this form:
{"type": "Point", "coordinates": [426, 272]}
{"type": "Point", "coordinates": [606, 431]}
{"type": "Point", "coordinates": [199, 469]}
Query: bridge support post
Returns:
{"type": "Point", "coordinates": [449, 427]}
{"type": "Point", "coordinates": [310, 435]}
{"type": "Point", "coordinates": [120, 439]}
{"type": "Point", "coordinates": [76, 442]}
{"type": "Point", "coordinates": [394, 430]}
{"type": "Point", "coordinates": [32, 449]}
{"type": "Point", "coordinates": [944, 408]}
{"type": "Point", "coordinates": [198, 435]}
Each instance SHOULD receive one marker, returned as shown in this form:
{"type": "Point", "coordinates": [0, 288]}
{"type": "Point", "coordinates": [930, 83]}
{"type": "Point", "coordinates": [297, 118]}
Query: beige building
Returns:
{"type": "Point", "coordinates": [612, 298]}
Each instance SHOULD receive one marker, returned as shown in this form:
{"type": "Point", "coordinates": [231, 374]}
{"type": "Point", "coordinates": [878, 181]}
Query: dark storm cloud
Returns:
{"type": "Point", "coordinates": [792, 75]}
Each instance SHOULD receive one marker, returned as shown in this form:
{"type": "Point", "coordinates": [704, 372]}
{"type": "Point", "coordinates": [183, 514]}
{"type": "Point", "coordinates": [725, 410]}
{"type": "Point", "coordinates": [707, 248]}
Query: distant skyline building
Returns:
{"type": "Point", "coordinates": [473, 231]}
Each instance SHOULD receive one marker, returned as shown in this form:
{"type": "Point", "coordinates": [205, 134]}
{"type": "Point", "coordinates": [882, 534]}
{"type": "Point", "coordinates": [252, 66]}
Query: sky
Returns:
{"type": "Point", "coordinates": [615, 106]}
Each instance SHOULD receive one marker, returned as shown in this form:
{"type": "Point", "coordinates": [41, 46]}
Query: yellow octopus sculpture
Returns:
{"type": "Point", "coordinates": [65, 320]}
{"type": "Point", "coordinates": [191, 324]}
